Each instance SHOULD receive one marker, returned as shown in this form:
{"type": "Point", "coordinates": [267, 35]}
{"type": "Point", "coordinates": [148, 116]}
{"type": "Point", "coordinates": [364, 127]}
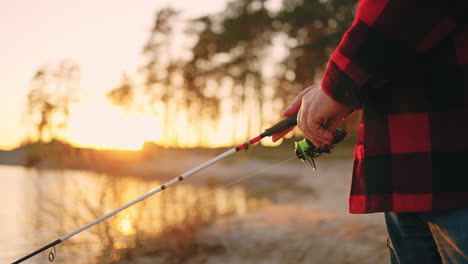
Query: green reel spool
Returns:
{"type": "Point", "coordinates": [306, 151]}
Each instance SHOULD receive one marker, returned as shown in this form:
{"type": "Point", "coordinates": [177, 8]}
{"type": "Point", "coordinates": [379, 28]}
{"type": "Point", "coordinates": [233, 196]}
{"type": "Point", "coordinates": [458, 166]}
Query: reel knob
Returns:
{"type": "Point", "coordinates": [340, 134]}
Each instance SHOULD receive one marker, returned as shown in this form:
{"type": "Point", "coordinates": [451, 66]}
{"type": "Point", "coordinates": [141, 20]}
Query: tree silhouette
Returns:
{"type": "Point", "coordinates": [230, 49]}
{"type": "Point", "coordinates": [231, 68]}
{"type": "Point", "coordinates": [314, 29]}
{"type": "Point", "coordinates": [123, 95]}
{"type": "Point", "coordinates": [53, 89]}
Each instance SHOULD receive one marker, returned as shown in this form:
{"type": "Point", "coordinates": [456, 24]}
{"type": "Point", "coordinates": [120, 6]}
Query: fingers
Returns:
{"type": "Point", "coordinates": [292, 109]}
{"type": "Point", "coordinates": [319, 116]}
{"type": "Point", "coordinates": [313, 128]}
{"type": "Point", "coordinates": [332, 124]}
{"type": "Point", "coordinates": [316, 116]}
{"type": "Point", "coordinates": [296, 104]}
{"type": "Point", "coordinates": [278, 136]}
{"type": "Point", "coordinates": [317, 135]}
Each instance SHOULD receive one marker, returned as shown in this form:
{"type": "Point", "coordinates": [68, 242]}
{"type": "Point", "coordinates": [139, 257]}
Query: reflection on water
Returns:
{"type": "Point", "coordinates": [39, 206]}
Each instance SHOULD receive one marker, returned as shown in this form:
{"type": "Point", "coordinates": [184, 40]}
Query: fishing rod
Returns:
{"type": "Point", "coordinates": [305, 150]}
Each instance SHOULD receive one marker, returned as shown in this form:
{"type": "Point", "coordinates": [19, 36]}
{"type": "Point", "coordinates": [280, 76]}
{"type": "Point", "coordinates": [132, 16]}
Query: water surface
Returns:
{"type": "Point", "coordinates": [40, 206]}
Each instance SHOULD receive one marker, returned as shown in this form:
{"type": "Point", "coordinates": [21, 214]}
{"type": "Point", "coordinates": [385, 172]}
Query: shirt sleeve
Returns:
{"type": "Point", "coordinates": [383, 35]}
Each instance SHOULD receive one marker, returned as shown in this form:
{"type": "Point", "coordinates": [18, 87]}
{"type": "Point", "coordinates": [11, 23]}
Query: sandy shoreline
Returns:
{"type": "Point", "coordinates": [307, 222]}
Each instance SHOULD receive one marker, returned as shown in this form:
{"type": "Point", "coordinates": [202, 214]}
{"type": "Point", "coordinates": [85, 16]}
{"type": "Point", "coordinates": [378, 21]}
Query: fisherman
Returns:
{"type": "Point", "coordinates": [405, 64]}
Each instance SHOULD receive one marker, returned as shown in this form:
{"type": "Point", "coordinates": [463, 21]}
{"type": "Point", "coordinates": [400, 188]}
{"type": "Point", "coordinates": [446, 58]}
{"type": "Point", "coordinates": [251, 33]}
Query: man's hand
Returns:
{"type": "Point", "coordinates": [319, 115]}
{"type": "Point", "coordinates": [292, 109]}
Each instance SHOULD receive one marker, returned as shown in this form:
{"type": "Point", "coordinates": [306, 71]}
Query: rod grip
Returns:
{"type": "Point", "coordinates": [281, 125]}
{"type": "Point", "coordinates": [291, 120]}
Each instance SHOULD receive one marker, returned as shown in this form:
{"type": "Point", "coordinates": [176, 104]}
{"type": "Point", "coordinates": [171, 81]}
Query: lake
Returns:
{"type": "Point", "coordinates": [39, 206]}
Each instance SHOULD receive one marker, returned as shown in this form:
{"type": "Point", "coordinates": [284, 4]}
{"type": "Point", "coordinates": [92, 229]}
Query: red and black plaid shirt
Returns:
{"type": "Point", "coordinates": [405, 63]}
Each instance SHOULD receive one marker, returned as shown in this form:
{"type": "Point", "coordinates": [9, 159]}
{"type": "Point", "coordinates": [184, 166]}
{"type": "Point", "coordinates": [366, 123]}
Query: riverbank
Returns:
{"type": "Point", "coordinates": [12, 157]}
{"type": "Point", "coordinates": [307, 221]}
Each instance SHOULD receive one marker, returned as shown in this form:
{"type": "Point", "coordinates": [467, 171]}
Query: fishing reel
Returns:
{"type": "Point", "coordinates": [306, 151]}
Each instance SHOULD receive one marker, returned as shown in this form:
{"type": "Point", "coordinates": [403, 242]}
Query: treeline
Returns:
{"type": "Point", "coordinates": [243, 65]}
{"type": "Point", "coordinates": [218, 76]}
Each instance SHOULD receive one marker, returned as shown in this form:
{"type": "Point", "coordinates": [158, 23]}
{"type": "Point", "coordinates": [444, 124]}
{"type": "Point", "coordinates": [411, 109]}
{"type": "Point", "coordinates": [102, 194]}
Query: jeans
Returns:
{"type": "Point", "coordinates": [428, 237]}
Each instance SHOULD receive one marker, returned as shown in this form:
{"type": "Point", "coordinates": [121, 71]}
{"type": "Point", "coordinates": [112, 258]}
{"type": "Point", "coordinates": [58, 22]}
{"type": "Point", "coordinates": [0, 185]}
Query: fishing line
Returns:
{"type": "Point", "coordinates": [256, 173]}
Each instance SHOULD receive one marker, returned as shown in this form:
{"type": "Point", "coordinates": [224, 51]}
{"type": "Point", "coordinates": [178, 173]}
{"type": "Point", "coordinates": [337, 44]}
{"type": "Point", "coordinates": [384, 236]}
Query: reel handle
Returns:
{"type": "Point", "coordinates": [340, 135]}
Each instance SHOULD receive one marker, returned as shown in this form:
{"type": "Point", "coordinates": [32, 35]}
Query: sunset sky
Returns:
{"type": "Point", "coordinates": [104, 38]}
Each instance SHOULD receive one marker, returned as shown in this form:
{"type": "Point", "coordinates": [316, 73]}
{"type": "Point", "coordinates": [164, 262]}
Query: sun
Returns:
{"type": "Point", "coordinates": [98, 124]}
{"type": "Point", "coordinates": [125, 225]}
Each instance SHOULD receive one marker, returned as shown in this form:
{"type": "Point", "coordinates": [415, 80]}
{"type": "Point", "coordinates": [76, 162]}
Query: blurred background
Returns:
{"type": "Point", "coordinates": [104, 100]}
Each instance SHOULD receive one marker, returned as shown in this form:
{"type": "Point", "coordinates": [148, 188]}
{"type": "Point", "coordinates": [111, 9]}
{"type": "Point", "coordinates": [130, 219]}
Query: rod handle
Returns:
{"type": "Point", "coordinates": [291, 120]}
{"type": "Point", "coordinates": [281, 125]}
